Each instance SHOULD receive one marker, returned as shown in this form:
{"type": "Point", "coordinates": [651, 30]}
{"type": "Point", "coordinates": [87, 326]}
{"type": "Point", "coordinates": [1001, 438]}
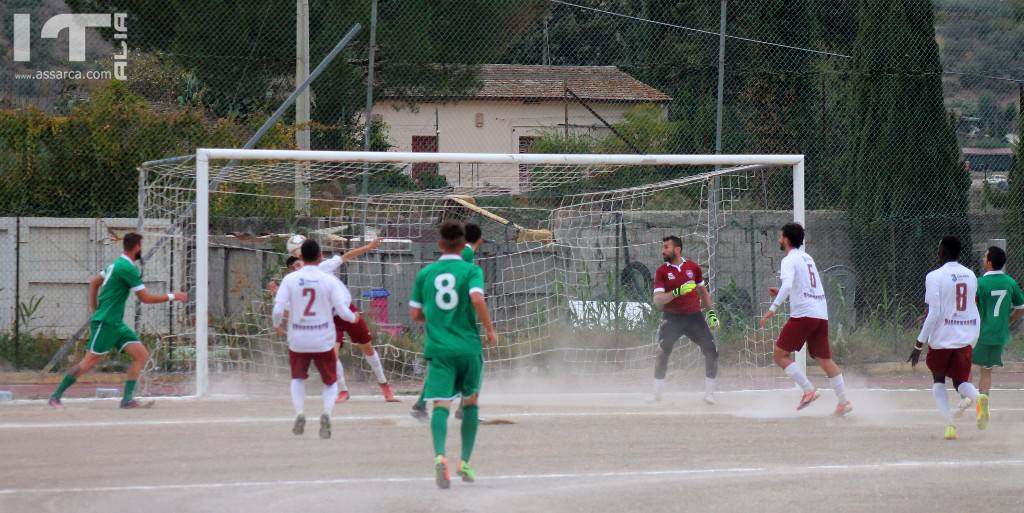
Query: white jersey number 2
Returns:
{"type": "Point", "coordinates": [446, 297]}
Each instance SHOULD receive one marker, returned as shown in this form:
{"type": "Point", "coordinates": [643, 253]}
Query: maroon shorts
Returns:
{"type": "Point", "coordinates": [326, 364]}
{"type": "Point", "coordinates": [952, 363]}
{"type": "Point", "coordinates": [799, 330]}
{"type": "Point", "coordinates": [358, 331]}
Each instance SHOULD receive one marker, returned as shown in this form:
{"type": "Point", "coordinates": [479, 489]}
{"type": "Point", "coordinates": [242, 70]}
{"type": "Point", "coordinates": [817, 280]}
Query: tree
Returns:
{"type": "Point", "coordinates": [907, 187]}
{"type": "Point", "coordinates": [1014, 214]}
{"type": "Point", "coordinates": [243, 53]}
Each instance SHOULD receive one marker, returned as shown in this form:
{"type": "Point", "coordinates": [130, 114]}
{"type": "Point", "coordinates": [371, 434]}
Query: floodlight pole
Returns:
{"type": "Point", "coordinates": [302, 107]}
{"type": "Point", "coordinates": [714, 195]}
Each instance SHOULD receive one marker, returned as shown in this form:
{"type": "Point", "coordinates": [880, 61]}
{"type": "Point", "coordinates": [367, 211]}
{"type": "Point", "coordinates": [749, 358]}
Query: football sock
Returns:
{"type": "Point", "coordinates": [64, 385]}
{"type": "Point", "coordinates": [659, 385]}
{"type": "Point", "coordinates": [298, 395]}
{"type": "Point", "coordinates": [421, 404]}
{"type": "Point", "coordinates": [330, 395]}
{"type": "Point", "coordinates": [439, 429]}
{"type": "Point", "coordinates": [942, 400]}
{"type": "Point", "coordinates": [967, 389]}
{"type": "Point", "coordinates": [709, 385]}
{"type": "Point", "coordinates": [470, 423]}
{"type": "Point", "coordinates": [129, 390]}
{"type": "Point", "coordinates": [341, 377]}
{"type": "Point", "coordinates": [378, 369]}
{"type": "Point", "coordinates": [839, 387]}
{"type": "Point", "coordinates": [793, 371]}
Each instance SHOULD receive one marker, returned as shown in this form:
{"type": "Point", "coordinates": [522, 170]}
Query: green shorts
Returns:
{"type": "Point", "coordinates": [987, 355]}
{"type": "Point", "coordinates": [451, 377]}
{"type": "Point", "coordinates": [105, 336]}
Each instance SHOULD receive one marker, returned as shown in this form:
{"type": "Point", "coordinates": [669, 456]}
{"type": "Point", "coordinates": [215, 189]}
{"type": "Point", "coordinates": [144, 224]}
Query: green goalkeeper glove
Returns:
{"type": "Point", "coordinates": [684, 289]}
{"type": "Point", "coordinates": [712, 318]}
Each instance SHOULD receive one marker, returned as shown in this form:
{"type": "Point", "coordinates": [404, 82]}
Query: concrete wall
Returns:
{"type": "Point", "coordinates": [57, 258]}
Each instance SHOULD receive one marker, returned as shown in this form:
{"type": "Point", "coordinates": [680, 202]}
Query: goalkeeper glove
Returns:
{"type": "Point", "coordinates": [684, 289]}
{"type": "Point", "coordinates": [712, 318]}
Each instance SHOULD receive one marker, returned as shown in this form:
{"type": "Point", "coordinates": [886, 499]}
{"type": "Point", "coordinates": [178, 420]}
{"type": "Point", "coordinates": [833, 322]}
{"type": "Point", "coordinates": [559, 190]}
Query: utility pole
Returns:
{"type": "Point", "coordinates": [714, 194]}
{"type": "Point", "coordinates": [368, 121]}
{"type": "Point", "coordinates": [302, 103]}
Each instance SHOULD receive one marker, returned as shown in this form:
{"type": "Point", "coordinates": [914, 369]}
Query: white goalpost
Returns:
{"type": "Point", "coordinates": [563, 226]}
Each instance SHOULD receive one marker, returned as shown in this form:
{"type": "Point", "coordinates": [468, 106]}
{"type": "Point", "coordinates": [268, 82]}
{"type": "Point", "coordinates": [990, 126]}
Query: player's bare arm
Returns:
{"type": "Point", "coordinates": [151, 299]}
{"type": "Point", "coordinates": [416, 314]}
{"type": "Point", "coordinates": [360, 251]}
{"type": "Point", "coordinates": [94, 290]}
{"type": "Point", "coordinates": [480, 305]}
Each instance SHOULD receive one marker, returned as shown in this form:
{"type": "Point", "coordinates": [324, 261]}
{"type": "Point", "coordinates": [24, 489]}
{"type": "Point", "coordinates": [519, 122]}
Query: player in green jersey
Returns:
{"type": "Point", "coordinates": [474, 239]}
{"type": "Point", "coordinates": [448, 297]}
{"type": "Point", "coordinates": [1000, 303]}
{"type": "Point", "coordinates": [108, 293]}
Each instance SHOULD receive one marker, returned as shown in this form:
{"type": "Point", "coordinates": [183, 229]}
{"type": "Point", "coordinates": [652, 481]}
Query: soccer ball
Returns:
{"type": "Point", "coordinates": [294, 244]}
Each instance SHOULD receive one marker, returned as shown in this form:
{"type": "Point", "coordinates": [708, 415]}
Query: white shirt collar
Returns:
{"type": "Point", "coordinates": [677, 267]}
{"type": "Point", "coordinates": [450, 257]}
{"type": "Point", "coordinates": [993, 272]}
{"type": "Point", "coordinates": [128, 258]}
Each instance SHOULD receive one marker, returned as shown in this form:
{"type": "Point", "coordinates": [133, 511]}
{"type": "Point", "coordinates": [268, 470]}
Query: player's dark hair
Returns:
{"type": "Point", "coordinates": [473, 233]}
{"type": "Point", "coordinates": [949, 248]}
{"type": "Point", "coordinates": [794, 233]}
{"type": "Point", "coordinates": [453, 236]}
{"type": "Point", "coordinates": [310, 251]}
{"type": "Point", "coordinates": [132, 240]}
{"type": "Point", "coordinates": [997, 257]}
{"type": "Point", "coordinates": [676, 241]}
{"type": "Point", "coordinates": [291, 261]}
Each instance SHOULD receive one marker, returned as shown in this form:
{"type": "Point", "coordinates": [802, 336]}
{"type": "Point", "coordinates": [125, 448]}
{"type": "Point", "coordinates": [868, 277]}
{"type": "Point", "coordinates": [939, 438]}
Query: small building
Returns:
{"type": "Point", "coordinates": [989, 160]}
{"type": "Point", "coordinates": [510, 108]}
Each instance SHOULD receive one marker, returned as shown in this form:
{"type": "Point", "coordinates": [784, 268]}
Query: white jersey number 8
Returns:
{"type": "Point", "coordinates": [446, 297]}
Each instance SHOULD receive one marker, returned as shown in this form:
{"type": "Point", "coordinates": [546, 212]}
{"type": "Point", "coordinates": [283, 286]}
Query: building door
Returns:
{"type": "Point", "coordinates": [525, 143]}
{"type": "Point", "coordinates": [423, 144]}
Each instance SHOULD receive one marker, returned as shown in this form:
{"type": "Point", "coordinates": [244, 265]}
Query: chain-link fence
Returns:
{"type": "Point", "coordinates": [907, 111]}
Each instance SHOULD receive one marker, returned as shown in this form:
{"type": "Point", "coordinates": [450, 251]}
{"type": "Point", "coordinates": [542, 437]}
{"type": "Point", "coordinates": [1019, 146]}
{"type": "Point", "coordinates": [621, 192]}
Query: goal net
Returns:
{"type": "Point", "coordinates": [572, 243]}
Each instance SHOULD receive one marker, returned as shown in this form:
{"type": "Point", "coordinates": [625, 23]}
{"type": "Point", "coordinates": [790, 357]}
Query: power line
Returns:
{"type": "Point", "coordinates": [701, 31]}
{"type": "Point", "coordinates": [757, 41]}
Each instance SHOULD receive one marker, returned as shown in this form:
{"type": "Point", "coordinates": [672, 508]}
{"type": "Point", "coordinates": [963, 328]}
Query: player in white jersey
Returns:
{"type": "Point", "coordinates": [808, 319]}
{"type": "Point", "coordinates": [312, 299]}
{"type": "Point", "coordinates": [358, 332]}
{"type": "Point", "coordinates": [951, 329]}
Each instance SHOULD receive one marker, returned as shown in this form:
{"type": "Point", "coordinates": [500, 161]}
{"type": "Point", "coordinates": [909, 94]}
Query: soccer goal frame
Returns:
{"type": "Point", "coordinates": [204, 187]}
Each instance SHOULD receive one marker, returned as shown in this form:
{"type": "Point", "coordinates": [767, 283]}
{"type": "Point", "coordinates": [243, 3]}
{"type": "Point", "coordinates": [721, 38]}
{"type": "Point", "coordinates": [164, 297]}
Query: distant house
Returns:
{"type": "Point", "coordinates": [512, 106]}
{"type": "Point", "coordinates": [989, 160]}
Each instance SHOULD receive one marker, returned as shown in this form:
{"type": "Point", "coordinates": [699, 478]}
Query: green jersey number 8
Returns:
{"type": "Point", "coordinates": [446, 298]}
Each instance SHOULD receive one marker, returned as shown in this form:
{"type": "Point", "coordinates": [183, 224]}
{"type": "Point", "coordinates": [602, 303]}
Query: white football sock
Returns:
{"type": "Point", "coordinates": [341, 377]}
{"type": "Point", "coordinates": [793, 371]}
{"type": "Point", "coordinates": [330, 395]}
{"type": "Point", "coordinates": [378, 369]}
{"type": "Point", "coordinates": [942, 400]}
{"type": "Point", "coordinates": [839, 387]}
{"type": "Point", "coordinates": [659, 385]}
{"type": "Point", "coordinates": [967, 389]}
{"type": "Point", "coordinates": [709, 386]}
{"type": "Point", "coordinates": [298, 395]}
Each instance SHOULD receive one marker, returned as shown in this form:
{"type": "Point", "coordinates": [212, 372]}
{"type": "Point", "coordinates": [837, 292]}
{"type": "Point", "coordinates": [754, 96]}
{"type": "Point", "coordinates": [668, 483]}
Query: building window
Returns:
{"type": "Point", "coordinates": [525, 143]}
{"type": "Point", "coordinates": [423, 144]}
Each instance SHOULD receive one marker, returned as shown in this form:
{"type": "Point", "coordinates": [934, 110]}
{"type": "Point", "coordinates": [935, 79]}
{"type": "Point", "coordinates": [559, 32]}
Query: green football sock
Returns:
{"type": "Point", "coordinates": [64, 385]}
{"type": "Point", "coordinates": [129, 390]}
{"type": "Point", "coordinates": [421, 404]}
{"type": "Point", "coordinates": [470, 423]}
{"type": "Point", "coordinates": [439, 428]}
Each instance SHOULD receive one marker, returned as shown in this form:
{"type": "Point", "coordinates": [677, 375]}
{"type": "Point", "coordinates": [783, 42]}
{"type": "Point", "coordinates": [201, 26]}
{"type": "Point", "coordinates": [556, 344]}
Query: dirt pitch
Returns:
{"type": "Point", "coordinates": [574, 452]}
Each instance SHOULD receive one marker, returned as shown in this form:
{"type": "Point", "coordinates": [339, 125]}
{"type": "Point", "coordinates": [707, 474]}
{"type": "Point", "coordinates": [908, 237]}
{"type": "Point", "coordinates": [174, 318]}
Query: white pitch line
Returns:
{"type": "Point", "coordinates": [639, 474]}
{"type": "Point", "coordinates": [376, 418]}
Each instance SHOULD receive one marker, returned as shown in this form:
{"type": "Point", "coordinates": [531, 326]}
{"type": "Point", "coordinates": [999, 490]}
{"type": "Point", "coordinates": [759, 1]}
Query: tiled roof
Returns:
{"type": "Point", "coordinates": [530, 82]}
